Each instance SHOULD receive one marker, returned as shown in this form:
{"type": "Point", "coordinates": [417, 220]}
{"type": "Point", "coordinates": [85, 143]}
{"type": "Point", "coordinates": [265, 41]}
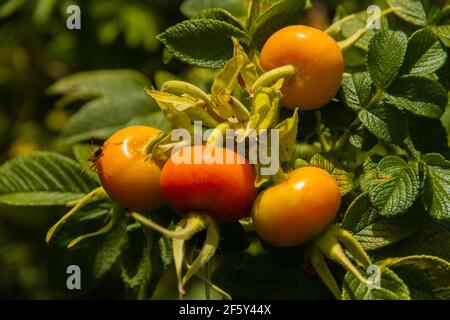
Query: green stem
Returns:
{"type": "Point", "coordinates": [341, 141]}
{"type": "Point", "coordinates": [336, 27]}
{"type": "Point", "coordinates": [376, 98]}
{"type": "Point", "coordinates": [272, 76]}
{"type": "Point", "coordinates": [189, 255]}
{"type": "Point", "coordinates": [115, 214]}
{"type": "Point", "coordinates": [222, 292]}
{"type": "Point", "coordinates": [178, 249]}
{"type": "Point", "coordinates": [194, 223]}
{"type": "Point", "coordinates": [345, 44]}
{"type": "Point", "coordinates": [332, 249]}
{"type": "Point", "coordinates": [181, 87]}
{"type": "Point", "coordinates": [206, 252]}
{"type": "Point", "coordinates": [353, 246]}
{"type": "Point", "coordinates": [389, 10]}
{"type": "Point", "coordinates": [186, 229]}
{"type": "Point", "coordinates": [207, 286]}
{"type": "Point", "coordinates": [324, 272]}
{"type": "Point", "coordinates": [94, 195]}
{"type": "Point", "coordinates": [410, 146]}
{"type": "Point", "coordinates": [343, 138]}
{"type": "Point", "coordinates": [148, 148]}
{"type": "Point", "coordinates": [323, 143]}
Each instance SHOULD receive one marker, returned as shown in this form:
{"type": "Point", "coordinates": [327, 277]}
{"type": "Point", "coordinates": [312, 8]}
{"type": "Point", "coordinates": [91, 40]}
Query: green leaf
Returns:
{"type": "Point", "coordinates": [202, 42]}
{"type": "Point", "coordinates": [424, 55]}
{"type": "Point", "coordinates": [100, 118]}
{"type": "Point", "coordinates": [265, 107]}
{"type": "Point", "coordinates": [361, 138]}
{"type": "Point", "coordinates": [374, 231]}
{"type": "Point", "coordinates": [358, 22]}
{"type": "Point", "coordinates": [394, 186]}
{"type": "Point", "coordinates": [227, 77]}
{"type": "Point", "coordinates": [153, 119]}
{"type": "Point", "coordinates": [192, 7]}
{"type": "Point", "coordinates": [83, 153]}
{"type": "Point", "coordinates": [370, 171]}
{"type": "Point", "coordinates": [223, 106]}
{"type": "Point", "coordinates": [436, 191]}
{"type": "Point", "coordinates": [443, 33]}
{"type": "Point", "coordinates": [98, 83]}
{"type": "Point", "coordinates": [264, 115]}
{"type": "Point", "coordinates": [386, 122]}
{"type": "Point", "coordinates": [279, 14]}
{"type": "Point", "coordinates": [320, 161]}
{"type": "Point", "coordinates": [355, 58]}
{"type": "Point", "coordinates": [110, 247]}
{"type": "Point", "coordinates": [357, 89]}
{"type": "Point", "coordinates": [392, 288]}
{"type": "Point", "coordinates": [141, 264]}
{"type": "Point", "coordinates": [385, 56]}
{"type": "Point", "coordinates": [432, 239]}
{"type": "Point", "coordinates": [343, 178]}
{"type": "Point", "coordinates": [256, 8]}
{"type": "Point", "coordinates": [43, 179]}
{"type": "Point", "coordinates": [218, 14]}
{"type": "Point", "coordinates": [118, 97]}
{"type": "Point", "coordinates": [145, 257]}
{"type": "Point", "coordinates": [230, 84]}
{"type": "Point", "coordinates": [426, 274]}
{"type": "Point", "coordinates": [288, 134]}
{"type": "Point", "coordinates": [444, 79]}
{"type": "Point", "coordinates": [412, 11]}
{"type": "Point", "coordinates": [420, 295]}
{"type": "Point", "coordinates": [299, 163]}
{"type": "Point", "coordinates": [193, 108]}
{"type": "Point", "coordinates": [421, 96]}
{"type": "Point", "coordinates": [250, 72]}
{"type": "Point", "coordinates": [88, 219]}
{"type": "Point", "coordinates": [444, 14]}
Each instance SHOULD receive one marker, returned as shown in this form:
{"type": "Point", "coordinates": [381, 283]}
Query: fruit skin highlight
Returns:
{"type": "Point", "coordinates": [298, 209]}
{"type": "Point", "coordinates": [223, 191]}
{"type": "Point", "coordinates": [126, 173]}
{"type": "Point", "coordinates": [317, 59]}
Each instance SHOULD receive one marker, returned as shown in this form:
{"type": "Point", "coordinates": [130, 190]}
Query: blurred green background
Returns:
{"type": "Point", "coordinates": [36, 49]}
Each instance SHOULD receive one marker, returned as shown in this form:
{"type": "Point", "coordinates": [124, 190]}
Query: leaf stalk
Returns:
{"type": "Point", "coordinates": [273, 75]}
